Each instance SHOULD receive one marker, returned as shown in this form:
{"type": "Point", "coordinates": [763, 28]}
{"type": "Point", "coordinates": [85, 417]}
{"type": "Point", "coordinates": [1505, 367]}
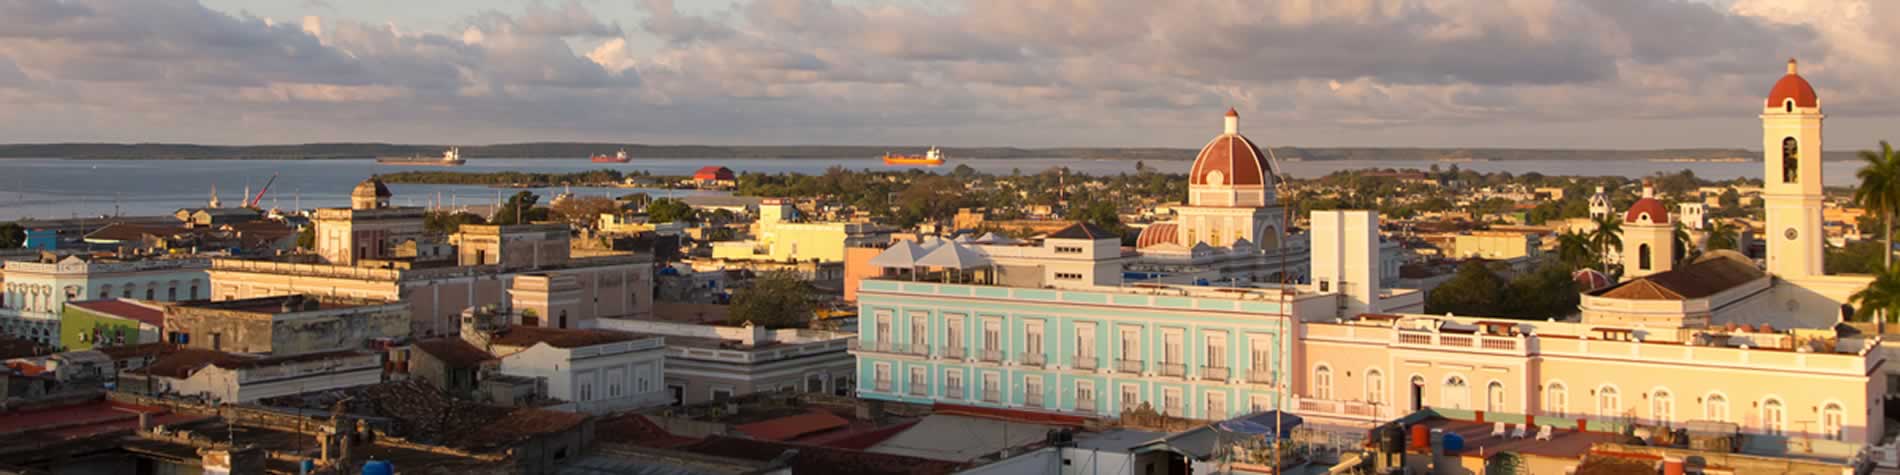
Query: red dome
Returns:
{"type": "Point", "coordinates": [1658, 214]}
{"type": "Point", "coordinates": [1158, 233]}
{"type": "Point", "coordinates": [1237, 161]}
{"type": "Point", "coordinates": [1792, 86]}
{"type": "Point", "coordinates": [1589, 279]}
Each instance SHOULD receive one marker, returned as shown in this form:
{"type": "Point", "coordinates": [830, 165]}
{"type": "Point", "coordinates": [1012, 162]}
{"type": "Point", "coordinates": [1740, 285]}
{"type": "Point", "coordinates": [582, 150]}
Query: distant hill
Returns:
{"type": "Point", "coordinates": [570, 150]}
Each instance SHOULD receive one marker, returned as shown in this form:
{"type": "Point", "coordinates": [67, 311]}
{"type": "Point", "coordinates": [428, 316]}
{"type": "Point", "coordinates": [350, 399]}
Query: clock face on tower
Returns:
{"type": "Point", "coordinates": [1791, 234]}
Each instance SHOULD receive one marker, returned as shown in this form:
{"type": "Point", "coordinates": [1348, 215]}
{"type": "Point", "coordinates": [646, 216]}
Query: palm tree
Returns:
{"type": "Point", "coordinates": [1685, 246]}
{"type": "Point", "coordinates": [1879, 191]}
{"type": "Point", "coordinates": [1881, 297]}
{"type": "Point", "coordinates": [1723, 236]}
{"type": "Point", "coordinates": [1608, 235]}
{"type": "Point", "coordinates": [1575, 250]}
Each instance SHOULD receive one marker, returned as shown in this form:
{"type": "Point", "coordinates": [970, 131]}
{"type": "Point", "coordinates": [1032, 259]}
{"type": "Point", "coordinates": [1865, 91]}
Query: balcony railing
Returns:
{"type": "Point", "coordinates": [954, 352]}
{"type": "Point", "coordinates": [992, 356]}
{"type": "Point", "coordinates": [1033, 399]}
{"type": "Point", "coordinates": [919, 389]}
{"type": "Point", "coordinates": [992, 395]}
{"type": "Point", "coordinates": [1485, 342]}
{"type": "Point", "coordinates": [1260, 376]}
{"type": "Point", "coordinates": [883, 385]}
{"type": "Point", "coordinates": [953, 392]}
{"type": "Point", "coordinates": [1173, 369]}
{"type": "Point", "coordinates": [1085, 362]}
{"type": "Point", "coordinates": [920, 349]}
{"type": "Point", "coordinates": [1128, 366]}
{"type": "Point", "coordinates": [1347, 409]}
{"type": "Point", "coordinates": [1214, 373]}
{"type": "Point", "coordinates": [1085, 405]}
{"type": "Point", "coordinates": [897, 347]}
{"type": "Point", "coordinates": [1032, 358]}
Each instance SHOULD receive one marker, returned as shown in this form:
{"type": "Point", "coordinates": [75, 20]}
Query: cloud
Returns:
{"type": "Point", "coordinates": [991, 72]}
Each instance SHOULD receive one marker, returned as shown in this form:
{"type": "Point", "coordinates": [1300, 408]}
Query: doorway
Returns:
{"type": "Point", "coordinates": [1418, 393]}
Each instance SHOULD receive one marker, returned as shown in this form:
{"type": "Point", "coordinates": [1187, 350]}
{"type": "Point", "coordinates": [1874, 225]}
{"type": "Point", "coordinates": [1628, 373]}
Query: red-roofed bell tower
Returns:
{"type": "Point", "coordinates": [1791, 152]}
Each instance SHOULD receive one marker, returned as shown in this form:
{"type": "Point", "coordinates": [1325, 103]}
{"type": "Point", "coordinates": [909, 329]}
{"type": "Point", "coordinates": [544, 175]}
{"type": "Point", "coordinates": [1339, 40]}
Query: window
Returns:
{"type": "Point", "coordinates": [1084, 342]}
{"type": "Point", "coordinates": [1171, 402]}
{"type": "Point", "coordinates": [587, 391]}
{"type": "Point", "coordinates": [1258, 403]}
{"type": "Point", "coordinates": [1494, 397]}
{"type": "Point", "coordinates": [883, 335]}
{"type": "Point", "coordinates": [992, 335]}
{"type": "Point", "coordinates": [919, 381]}
{"type": "Point", "coordinates": [1131, 344]}
{"type": "Point", "coordinates": [1642, 257]}
{"type": "Point", "coordinates": [881, 375]}
{"type": "Point", "coordinates": [1790, 160]}
{"type": "Point", "coordinates": [1216, 351]}
{"type": "Point", "coordinates": [126, 293]}
{"type": "Point", "coordinates": [1609, 403]}
{"type": "Point", "coordinates": [1068, 250]}
{"type": "Point", "coordinates": [1068, 276]}
{"type": "Point", "coordinates": [992, 387]}
{"type": "Point", "coordinates": [1774, 418]}
{"type": "Point", "coordinates": [1556, 399]}
{"type": "Point", "coordinates": [1032, 391]}
{"type": "Point", "coordinates": [1323, 383]}
{"type": "Point", "coordinates": [1456, 394]}
{"type": "Point", "coordinates": [1375, 386]}
{"type": "Point", "coordinates": [953, 334]}
{"type": "Point", "coordinates": [953, 384]}
{"type": "Point", "coordinates": [1216, 405]}
{"type": "Point", "coordinates": [1085, 396]}
{"type": "Point", "coordinates": [171, 294]}
{"type": "Point", "coordinates": [1131, 396]}
{"type": "Point", "coordinates": [1171, 348]}
{"type": "Point", "coordinates": [722, 394]}
{"type": "Point", "coordinates": [1261, 356]}
{"type": "Point", "coordinates": [919, 332]}
{"type": "Point", "coordinates": [814, 383]}
{"type": "Point", "coordinates": [151, 293]}
{"type": "Point", "coordinates": [1715, 408]}
{"type": "Point", "coordinates": [1032, 338]}
{"type": "Point", "coordinates": [1832, 419]}
{"type": "Point", "coordinates": [1662, 406]}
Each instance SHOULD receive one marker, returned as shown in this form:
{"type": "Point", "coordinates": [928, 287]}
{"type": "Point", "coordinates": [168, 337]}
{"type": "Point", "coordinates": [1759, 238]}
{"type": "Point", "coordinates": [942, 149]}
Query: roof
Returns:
{"type": "Point", "coordinates": [1082, 230]}
{"type": "Point", "coordinates": [1792, 86]}
{"type": "Point", "coordinates": [958, 438]}
{"type": "Point", "coordinates": [1708, 276]}
{"type": "Point", "coordinates": [900, 254]}
{"type": "Point", "coordinates": [371, 188]}
{"type": "Point", "coordinates": [953, 255]}
{"type": "Point", "coordinates": [181, 363]}
{"type": "Point", "coordinates": [26, 368]}
{"type": "Point", "coordinates": [814, 459]}
{"type": "Point", "coordinates": [1158, 233]}
{"type": "Point", "coordinates": [454, 352]}
{"type": "Point", "coordinates": [636, 429]}
{"type": "Point", "coordinates": [132, 232]}
{"type": "Point", "coordinates": [1235, 158]}
{"type": "Point", "coordinates": [1589, 279]}
{"type": "Point", "coordinates": [1650, 208]}
{"type": "Point", "coordinates": [119, 352]}
{"type": "Point", "coordinates": [1563, 443]}
{"type": "Point", "coordinates": [124, 309]}
{"type": "Point", "coordinates": [526, 336]}
{"type": "Point", "coordinates": [791, 427]}
{"type": "Point", "coordinates": [712, 172]}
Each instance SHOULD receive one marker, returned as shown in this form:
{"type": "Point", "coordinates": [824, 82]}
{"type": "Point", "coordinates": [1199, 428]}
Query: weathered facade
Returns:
{"type": "Point", "coordinates": [285, 325]}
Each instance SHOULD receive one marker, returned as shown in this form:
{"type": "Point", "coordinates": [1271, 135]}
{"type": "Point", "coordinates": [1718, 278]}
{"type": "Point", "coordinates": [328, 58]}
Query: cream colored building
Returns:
{"type": "Point", "coordinates": [527, 266]}
{"type": "Point", "coordinates": [781, 236]}
{"type": "Point", "coordinates": [1501, 245]}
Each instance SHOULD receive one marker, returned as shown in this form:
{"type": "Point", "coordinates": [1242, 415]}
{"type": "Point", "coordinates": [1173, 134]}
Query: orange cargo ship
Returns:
{"type": "Point", "coordinates": [931, 158]}
{"type": "Point", "coordinates": [618, 157]}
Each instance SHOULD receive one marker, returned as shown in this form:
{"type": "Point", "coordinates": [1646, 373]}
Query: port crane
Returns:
{"type": "Point", "coordinates": [255, 200]}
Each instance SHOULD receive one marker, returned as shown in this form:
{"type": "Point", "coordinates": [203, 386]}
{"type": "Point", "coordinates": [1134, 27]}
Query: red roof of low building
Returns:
{"type": "Point", "coordinates": [454, 352]}
{"type": "Point", "coordinates": [791, 427]}
{"type": "Point", "coordinates": [123, 309]}
{"type": "Point", "coordinates": [1158, 233]}
{"type": "Point", "coordinates": [1015, 415]}
{"type": "Point", "coordinates": [1793, 86]}
{"type": "Point", "coordinates": [713, 172]}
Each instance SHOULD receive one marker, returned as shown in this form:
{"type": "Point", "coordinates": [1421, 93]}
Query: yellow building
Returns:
{"type": "Point", "coordinates": [781, 236]}
{"type": "Point", "coordinates": [1495, 244]}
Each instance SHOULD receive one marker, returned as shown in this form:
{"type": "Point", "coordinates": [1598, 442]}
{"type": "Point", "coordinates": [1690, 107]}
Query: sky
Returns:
{"type": "Point", "coordinates": [1600, 74]}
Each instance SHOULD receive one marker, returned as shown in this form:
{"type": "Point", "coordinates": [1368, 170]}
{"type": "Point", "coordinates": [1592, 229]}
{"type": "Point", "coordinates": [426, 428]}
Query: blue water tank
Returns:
{"type": "Point", "coordinates": [379, 467]}
{"type": "Point", "coordinates": [42, 239]}
{"type": "Point", "coordinates": [1453, 444]}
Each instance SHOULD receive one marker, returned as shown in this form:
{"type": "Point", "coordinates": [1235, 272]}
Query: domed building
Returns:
{"type": "Point", "coordinates": [370, 194]}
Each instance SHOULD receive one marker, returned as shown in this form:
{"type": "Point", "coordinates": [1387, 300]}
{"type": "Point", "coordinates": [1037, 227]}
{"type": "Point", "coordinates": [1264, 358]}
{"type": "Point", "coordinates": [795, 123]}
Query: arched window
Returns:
{"type": "Point", "coordinates": [1609, 403]}
{"type": "Point", "coordinates": [1790, 160]}
{"type": "Point", "coordinates": [1494, 397]}
{"type": "Point", "coordinates": [1715, 408]}
{"type": "Point", "coordinates": [1788, 106]}
{"type": "Point", "coordinates": [105, 291]}
{"type": "Point", "coordinates": [1662, 406]}
{"type": "Point", "coordinates": [1642, 257]}
{"type": "Point", "coordinates": [1375, 386]}
{"type": "Point", "coordinates": [1832, 419]}
{"type": "Point", "coordinates": [1774, 418]}
{"type": "Point", "coordinates": [1556, 399]}
{"type": "Point", "coordinates": [1456, 393]}
{"type": "Point", "coordinates": [1322, 383]}
{"type": "Point", "coordinates": [127, 291]}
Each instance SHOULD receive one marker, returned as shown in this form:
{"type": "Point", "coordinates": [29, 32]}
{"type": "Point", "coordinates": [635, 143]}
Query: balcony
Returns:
{"type": "Point", "coordinates": [992, 395]}
{"type": "Point", "coordinates": [1085, 362]}
{"type": "Point", "coordinates": [954, 352]}
{"type": "Point", "coordinates": [1490, 343]}
{"type": "Point", "coordinates": [902, 348]}
{"type": "Point", "coordinates": [1173, 369]}
{"type": "Point", "coordinates": [1033, 399]}
{"type": "Point", "coordinates": [919, 389]}
{"type": "Point", "coordinates": [1260, 376]}
{"type": "Point", "coordinates": [1085, 405]}
{"type": "Point", "coordinates": [992, 356]}
{"type": "Point", "coordinates": [920, 349]}
{"type": "Point", "coordinates": [883, 385]}
{"type": "Point", "coordinates": [953, 392]}
{"type": "Point", "coordinates": [1129, 366]}
{"type": "Point", "coordinates": [1353, 410]}
{"type": "Point", "coordinates": [1214, 373]}
{"type": "Point", "coordinates": [1032, 358]}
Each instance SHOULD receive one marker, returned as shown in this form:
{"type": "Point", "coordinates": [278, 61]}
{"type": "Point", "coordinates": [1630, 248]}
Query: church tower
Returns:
{"type": "Point", "coordinates": [1599, 204]}
{"type": "Point", "coordinates": [1231, 193]}
{"type": "Point", "coordinates": [1791, 191]}
{"type": "Point", "coordinates": [1649, 236]}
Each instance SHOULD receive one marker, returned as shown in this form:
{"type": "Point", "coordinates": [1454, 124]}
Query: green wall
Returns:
{"type": "Point", "coordinates": [75, 321]}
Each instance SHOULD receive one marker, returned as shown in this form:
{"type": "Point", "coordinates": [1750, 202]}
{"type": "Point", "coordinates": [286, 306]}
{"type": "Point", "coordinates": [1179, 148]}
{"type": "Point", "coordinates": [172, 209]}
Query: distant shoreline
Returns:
{"type": "Point", "coordinates": [582, 150]}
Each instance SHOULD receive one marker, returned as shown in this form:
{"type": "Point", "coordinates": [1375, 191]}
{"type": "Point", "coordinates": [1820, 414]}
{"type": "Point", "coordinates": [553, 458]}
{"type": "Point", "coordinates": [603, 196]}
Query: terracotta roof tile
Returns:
{"type": "Point", "coordinates": [526, 336]}
{"type": "Point", "coordinates": [119, 308]}
{"type": "Point", "coordinates": [791, 427]}
{"type": "Point", "coordinates": [1083, 231]}
{"type": "Point", "coordinates": [1709, 276]}
{"type": "Point", "coordinates": [454, 352]}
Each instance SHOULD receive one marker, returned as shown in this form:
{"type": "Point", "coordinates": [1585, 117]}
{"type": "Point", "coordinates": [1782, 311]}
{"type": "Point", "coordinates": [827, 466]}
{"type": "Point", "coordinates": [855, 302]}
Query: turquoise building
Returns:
{"type": "Point", "coordinates": [1203, 353]}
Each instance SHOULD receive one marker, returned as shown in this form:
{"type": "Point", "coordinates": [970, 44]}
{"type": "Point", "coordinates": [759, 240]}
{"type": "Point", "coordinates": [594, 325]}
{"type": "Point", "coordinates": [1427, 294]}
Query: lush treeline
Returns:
{"type": "Point", "coordinates": [510, 177]}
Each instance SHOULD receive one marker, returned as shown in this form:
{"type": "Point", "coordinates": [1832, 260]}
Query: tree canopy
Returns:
{"type": "Point", "coordinates": [583, 211]}
{"type": "Point", "coordinates": [775, 299]}
{"type": "Point", "coordinates": [1475, 290]}
{"type": "Point", "coordinates": [519, 209]}
{"type": "Point", "coordinates": [667, 210]}
{"type": "Point", "coordinates": [12, 235]}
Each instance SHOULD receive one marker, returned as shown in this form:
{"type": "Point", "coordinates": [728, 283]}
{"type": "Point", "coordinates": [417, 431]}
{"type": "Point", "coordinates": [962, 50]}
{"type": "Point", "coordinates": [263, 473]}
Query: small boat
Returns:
{"type": "Point", "coordinates": [931, 158]}
{"type": "Point", "coordinates": [450, 158]}
{"type": "Point", "coordinates": [617, 157]}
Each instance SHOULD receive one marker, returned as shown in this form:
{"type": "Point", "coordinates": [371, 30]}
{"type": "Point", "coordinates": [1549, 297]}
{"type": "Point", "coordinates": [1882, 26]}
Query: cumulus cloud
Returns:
{"type": "Point", "coordinates": [990, 72]}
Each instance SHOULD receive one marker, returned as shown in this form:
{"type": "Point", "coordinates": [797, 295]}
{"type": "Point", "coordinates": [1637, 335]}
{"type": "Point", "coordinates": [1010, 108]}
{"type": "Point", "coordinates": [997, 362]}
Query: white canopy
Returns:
{"type": "Point", "coordinates": [955, 256]}
{"type": "Point", "coordinates": [900, 254]}
{"type": "Point", "coordinates": [993, 238]}
{"type": "Point", "coordinates": [965, 238]}
{"type": "Point", "coordinates": [931, 242]}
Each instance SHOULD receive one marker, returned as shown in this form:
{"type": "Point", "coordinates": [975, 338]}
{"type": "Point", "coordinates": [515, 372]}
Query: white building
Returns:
{"type": "Point", "coordinates": [229, 378]}
{"type": "Point", "coordinates": [36, 291]}
{"type": "Point", "coordinates": [715, 362]}
{"type": "Point", "coordinates": [596, 371]}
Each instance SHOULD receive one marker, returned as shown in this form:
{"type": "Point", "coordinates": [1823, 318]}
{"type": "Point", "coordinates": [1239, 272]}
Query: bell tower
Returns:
{"type": "Point", "coordinates": [1791, 191]}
